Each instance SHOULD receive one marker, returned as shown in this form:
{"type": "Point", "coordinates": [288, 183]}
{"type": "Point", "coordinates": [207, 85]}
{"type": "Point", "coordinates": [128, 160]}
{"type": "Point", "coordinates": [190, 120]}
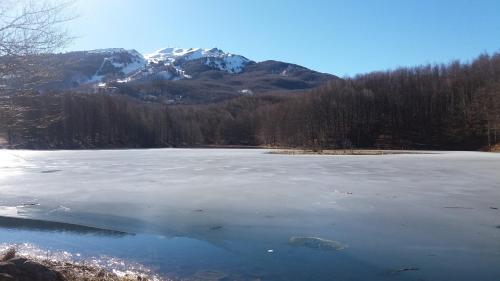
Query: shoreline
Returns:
{"type": "Point", "coordinates": [274, 150]}
{"type": "Point", "coordinates": [350, 152]}
{"type": "Point", "coordinates": [18, 266]}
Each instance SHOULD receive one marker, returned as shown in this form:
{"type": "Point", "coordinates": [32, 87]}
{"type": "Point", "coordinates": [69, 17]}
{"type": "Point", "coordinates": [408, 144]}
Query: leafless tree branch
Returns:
{"type": "Point", "coordinates": [30, 30]}
{"type": "Point", "coordinates": [30, 27]}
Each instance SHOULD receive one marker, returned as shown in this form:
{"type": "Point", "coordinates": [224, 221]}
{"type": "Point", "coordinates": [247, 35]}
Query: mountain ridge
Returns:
{"type": "Point", "coordinates": [177, 75]}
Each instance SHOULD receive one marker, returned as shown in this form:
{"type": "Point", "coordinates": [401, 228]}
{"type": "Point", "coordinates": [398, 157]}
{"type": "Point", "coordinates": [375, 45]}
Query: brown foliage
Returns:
{"type": "Point", "coordinates": [455, 106]}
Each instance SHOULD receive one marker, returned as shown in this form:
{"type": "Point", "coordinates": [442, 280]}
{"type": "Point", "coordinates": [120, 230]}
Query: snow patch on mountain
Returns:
{"type": "Point", "coordinates": [230, 63]}
{"type": "Point", "coordinates": [215, 58]}
{"type": "Point", "coordinates": [123, 65]}
{"type": "Point", "coordinates": [120, 62]}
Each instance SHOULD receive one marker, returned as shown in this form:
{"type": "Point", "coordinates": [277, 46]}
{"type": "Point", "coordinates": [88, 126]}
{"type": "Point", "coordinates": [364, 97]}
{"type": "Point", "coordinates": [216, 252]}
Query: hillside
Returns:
{"type": "Point", "coordinates": [454, 106]}
{"type": "Point", "coordinates": [169, 75]}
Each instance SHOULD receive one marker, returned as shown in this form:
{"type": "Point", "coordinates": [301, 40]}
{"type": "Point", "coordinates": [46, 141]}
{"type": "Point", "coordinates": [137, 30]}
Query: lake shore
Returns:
{"type": "Point", "coordinates": [275, 149]}
{"type": "Point", "coordinates": [347, 152]}
{"type": "Point", "coordinates": [14, 266]}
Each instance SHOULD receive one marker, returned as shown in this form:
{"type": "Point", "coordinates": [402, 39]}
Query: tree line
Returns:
{"type": "Point", "coordinates": [453, 106]}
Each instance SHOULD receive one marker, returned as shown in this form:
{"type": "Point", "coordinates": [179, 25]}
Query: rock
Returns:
{"type": "Point", "coordinates": [8, 268]}
{"type": "Point", "coordinates": [317, 243]}
{"type": "Point", "coordinates": [39, 272]}
{"type": "Point", "coordinates": [10, 254]}
{"type": "Point", "coordinates": [22, 269]}
{"type": "Point", "coordinates": [17, 261]}
{"type": "Point", "coordinates": [6, 277]}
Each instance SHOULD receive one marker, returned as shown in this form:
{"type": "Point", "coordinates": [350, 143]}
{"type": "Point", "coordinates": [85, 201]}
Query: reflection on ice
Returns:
{"type": "Point", "coordinates": [8, 211]}
{"type": "Point", "coordinates": [40, 225]}
{"type": "Point", "coordinates": [10, 164]}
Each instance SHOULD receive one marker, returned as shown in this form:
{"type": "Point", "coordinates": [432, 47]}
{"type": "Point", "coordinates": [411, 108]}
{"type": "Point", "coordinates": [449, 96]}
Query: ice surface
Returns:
{"type": "Point", "coordinates": [433, 211]}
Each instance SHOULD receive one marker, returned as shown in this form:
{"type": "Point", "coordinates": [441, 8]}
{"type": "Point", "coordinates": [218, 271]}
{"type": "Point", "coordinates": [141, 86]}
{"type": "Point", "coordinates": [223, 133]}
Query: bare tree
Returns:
{"type": "Point", "coordinates": [30, 30]}
{"type": "Point", "coordinates": [33, 27]}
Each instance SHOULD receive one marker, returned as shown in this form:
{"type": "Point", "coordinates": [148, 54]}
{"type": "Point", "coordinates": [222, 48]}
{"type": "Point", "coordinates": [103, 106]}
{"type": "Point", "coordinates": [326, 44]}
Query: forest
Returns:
{"type": "Point", "coordinates": [453, 106]}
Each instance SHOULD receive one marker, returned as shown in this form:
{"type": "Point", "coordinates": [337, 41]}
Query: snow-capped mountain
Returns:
{"type": "Point", "coordinates": [118, 62]}
{"type": "Point", "coordinates": [214, 57]}
{"type": "Point", "coordinates": [165, 64]}
{"type": "Point", "coordinates": [192, 75]}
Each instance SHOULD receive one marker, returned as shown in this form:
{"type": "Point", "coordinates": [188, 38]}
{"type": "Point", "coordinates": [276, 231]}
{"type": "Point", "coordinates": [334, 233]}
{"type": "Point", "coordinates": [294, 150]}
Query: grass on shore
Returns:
{"type": "Point", "coordinates": [69, 271]}
{"type": "Point", "coordinates": [344, 152]}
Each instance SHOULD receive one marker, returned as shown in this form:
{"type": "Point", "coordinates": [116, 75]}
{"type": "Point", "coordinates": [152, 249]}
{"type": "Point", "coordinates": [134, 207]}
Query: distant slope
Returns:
{"type": "Point", "coordinates": [450, 107]}
{"type": "Point", "coordinates": [176, 75]}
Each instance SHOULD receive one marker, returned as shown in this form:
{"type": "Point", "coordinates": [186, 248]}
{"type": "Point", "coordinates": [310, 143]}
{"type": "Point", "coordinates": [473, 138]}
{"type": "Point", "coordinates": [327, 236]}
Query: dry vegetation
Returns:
{"type": "Point", "coordinates": [495, 148]}
{"type": "Point", "coordinates": [444, 107]}
{"type": "Point", "coordinates": [74, 272]}
{"type": "Point", "coordinates": [343, 152]}
{"type": "Point", "coordinates": [27, 268]}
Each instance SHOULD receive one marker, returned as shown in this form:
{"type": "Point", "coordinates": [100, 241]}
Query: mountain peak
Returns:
{"type": "Point", "coordinates": [227, 71]}
{"type": "Point", "coordinates": [214, 57]}
{"type": "Point", "coordinates": [186, 53]}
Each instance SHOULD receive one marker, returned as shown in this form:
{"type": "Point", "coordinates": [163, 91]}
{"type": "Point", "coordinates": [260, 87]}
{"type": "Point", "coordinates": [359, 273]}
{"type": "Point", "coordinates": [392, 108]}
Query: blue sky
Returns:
{"type": "Point", "coordinates": [339, 37]}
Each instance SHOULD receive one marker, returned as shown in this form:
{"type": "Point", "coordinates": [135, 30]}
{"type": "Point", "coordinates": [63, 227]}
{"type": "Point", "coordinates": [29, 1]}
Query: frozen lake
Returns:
{"type": "Point", "coordinates": [232, 214]}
